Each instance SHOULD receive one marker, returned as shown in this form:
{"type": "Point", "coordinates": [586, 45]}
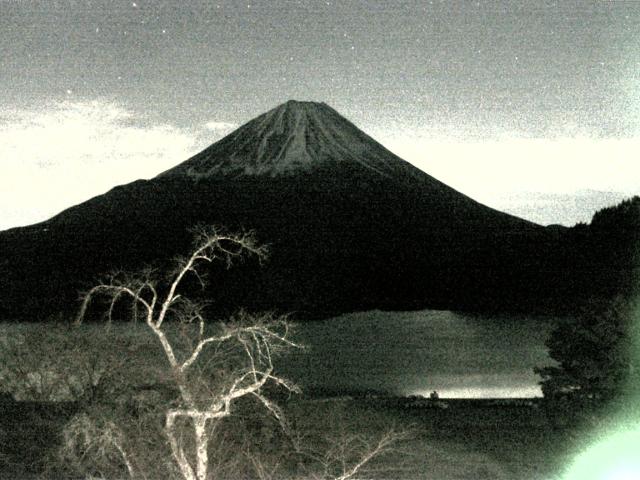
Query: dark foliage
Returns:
{"type": "Point", "coordinates": [597, 368]}
{"type": "Point", "coordinates": [596, 350]}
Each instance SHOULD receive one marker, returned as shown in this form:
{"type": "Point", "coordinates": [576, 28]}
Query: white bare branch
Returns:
{"type": "Point", "coordinates": [381, 446]}
{"type": "Point", "coordinates": [210, 245]}
{"type": "Point", "coordinates": [257, 336]}
{"type": "Point", "coordinates": [199, 347]}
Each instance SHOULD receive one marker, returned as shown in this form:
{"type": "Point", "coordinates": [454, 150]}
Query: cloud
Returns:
{"type": "Point", "coordinates": [65, 153]}
{"type": "Point", "coordinates": [68, 152]}
{"type": "Point", "coordinates": [493, 170]}
{"type": "Point", "coordinates": [220, 127]}
{"type": "Point", "coordinates": [562, 165]}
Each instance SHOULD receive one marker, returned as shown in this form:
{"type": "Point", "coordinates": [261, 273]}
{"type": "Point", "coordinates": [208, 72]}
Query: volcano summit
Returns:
{"type": "Point", "coordinates": [350, 226]}
{"type": "Point", "coordinates": [294, 137]}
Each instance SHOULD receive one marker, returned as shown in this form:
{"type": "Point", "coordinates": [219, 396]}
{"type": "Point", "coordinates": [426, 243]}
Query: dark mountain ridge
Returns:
{"type": "Point", "coordinates": [350, 226]}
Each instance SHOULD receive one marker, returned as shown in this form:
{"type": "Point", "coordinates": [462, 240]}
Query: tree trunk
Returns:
{"type": "Point", "coordinates": [177, 451]}
{"type": "Point", "coordinates": [202, 441]}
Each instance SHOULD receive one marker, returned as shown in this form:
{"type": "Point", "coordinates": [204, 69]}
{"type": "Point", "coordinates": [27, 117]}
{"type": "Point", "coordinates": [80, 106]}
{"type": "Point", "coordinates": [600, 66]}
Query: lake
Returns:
{"type": "Point", "coordinates": [406, 353]}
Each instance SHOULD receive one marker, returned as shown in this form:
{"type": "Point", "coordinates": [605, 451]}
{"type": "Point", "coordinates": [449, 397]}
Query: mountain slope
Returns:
{"type": "Point", "coordinates": [289, 139]}
{"type": "Point", "coordinates": [350, 226]}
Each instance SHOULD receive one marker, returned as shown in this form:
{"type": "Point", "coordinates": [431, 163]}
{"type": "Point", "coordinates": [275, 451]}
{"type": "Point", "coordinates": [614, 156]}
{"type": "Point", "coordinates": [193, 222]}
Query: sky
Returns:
{"type": "Point", "coordinates": [529, 107]}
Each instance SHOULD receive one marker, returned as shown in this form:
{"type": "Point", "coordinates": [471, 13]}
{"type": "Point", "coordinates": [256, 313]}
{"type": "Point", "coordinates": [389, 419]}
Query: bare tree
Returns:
{"type": "Point", "coordinates": [99, 439]}
{"type": "Point", "coordinates": [349, 454]}
{"type": "Point", "coordinates": [215, 367]}
{"type": "Point", "coordinates": [255, 337]}
{"type": "Point", "coordinates": [347, 446]}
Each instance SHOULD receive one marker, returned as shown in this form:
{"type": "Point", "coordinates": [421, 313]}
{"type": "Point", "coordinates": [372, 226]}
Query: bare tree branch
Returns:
{"type": "Point", "coordinates": [257, 336]}
{"type": "Point", "coordinates": [202, 351]}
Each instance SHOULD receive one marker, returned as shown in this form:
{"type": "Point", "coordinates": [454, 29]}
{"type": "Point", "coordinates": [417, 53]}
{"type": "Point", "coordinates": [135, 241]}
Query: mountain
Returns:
{"type": "Point", "coordinates": [350, 226]}
{"type": "Point", "coordinates": [292, 138]}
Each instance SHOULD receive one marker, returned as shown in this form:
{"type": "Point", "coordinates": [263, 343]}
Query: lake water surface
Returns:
{"type": "Point", "coordinates": [408, 353]}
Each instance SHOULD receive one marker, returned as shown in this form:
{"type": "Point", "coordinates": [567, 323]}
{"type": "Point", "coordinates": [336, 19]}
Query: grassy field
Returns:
{"type": "Point", "coordinates": [29, 437]}
{"type": "Point", "coordinates": [470, 439]}
{"type": "Point", "coordinates": [467, 440]}
{"type": "Point", "coordinates": [452, 439]}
